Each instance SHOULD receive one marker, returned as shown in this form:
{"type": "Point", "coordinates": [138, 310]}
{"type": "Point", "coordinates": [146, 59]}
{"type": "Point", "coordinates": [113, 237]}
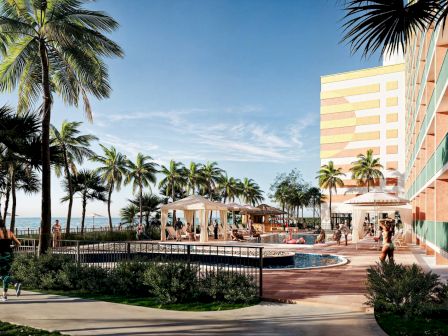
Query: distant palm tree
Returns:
{"type": "Point", "coordinates": [129, 213]}
{"type": "Point", "coordinates": [74, 148]}
{"type": "Point", "coordinates": [174, 180]}
{"type": "Point", "coordinates": [194, 177]}
{"type": "Point", "coordinates": [367, 170]}
{"type": "Point", "coordinates": [388, 25]}
{"type": "Point", "coordinates": [330, 178]}
{"type": "Point", "coordinates": [142, 173]}
{"type": "Point", "coordinates": [113, 171]}
{"type": "Point", "coordinates": [315, 197]}
{"type": "Point", "coordinates": [54, 47]}
{"type": "Point", "coordinates": [211, 174]}
{"type": "Point", "coordinates": [150, 204]}
{"type": "Point", "coordinates": [251, 192]}
{"type": "Point", "coordinates": [230, 188]}
{"type": "Point", "coordinates": [89, 185]}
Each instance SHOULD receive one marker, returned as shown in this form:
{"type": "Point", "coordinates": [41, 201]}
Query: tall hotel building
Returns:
{"type": "Point", "coordinates": [400, 110]}
{"type": "Point", "coordinates": [426, 140]}
{"type": "Point", "coordinates": [362, 110]}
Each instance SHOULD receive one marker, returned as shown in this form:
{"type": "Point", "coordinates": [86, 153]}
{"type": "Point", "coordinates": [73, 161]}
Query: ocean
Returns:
{"type": "Point", "coordinates": [34, 222]}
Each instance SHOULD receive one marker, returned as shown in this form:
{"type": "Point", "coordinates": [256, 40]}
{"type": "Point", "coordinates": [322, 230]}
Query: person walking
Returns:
{"type": "Point", "coordinates": [57, 233]}
{"type": "Point", "coordinates": [337, 235]}
{"type": "Point", "coordinates": [7, 240]}
{"type": "Point", "coordinates": [345, 231]}
{"type": "Point", "coordinates": [178, 227]}
{"type": "Point", "coordinates": [215, 229]}
{"type": "Point", "coordinates": [388, 245]}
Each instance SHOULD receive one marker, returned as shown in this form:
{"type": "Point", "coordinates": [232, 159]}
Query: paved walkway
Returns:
{"type": "Point", "coordinates": [85, 317]}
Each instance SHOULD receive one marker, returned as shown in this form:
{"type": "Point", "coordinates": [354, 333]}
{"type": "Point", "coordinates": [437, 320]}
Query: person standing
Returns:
{"type": "Point", "coordinates": [7, 239]}
{"type": "Point", "coordinates": [345, 231]}
{"type": "Point", "coordinates": [337, 235]}
{"type": "Point", "coordinates": [57, 232]}
{"type": "Point", "coordinates": [140, 230]}
{"type": "Point", "coordinates": [215, 229]}
{"type": "Point", "coordinates": [178, 227]}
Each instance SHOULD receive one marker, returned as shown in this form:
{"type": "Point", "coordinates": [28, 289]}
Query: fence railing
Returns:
{"type": "Point", "coordinates": [29, 232]}
{"type": "Point", "coordinates": [247, 260]}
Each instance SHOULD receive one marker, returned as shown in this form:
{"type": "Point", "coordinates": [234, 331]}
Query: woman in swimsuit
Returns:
{"type": "Point", "coordinates": [7, 239]}
{"type": "Point", "coordinates": [388, 245]}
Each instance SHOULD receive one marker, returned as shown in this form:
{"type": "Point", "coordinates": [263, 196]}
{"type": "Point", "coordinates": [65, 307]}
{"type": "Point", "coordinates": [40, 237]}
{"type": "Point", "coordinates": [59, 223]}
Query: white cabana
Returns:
{"type": "Point", "coordinates": [377, 202]}
{"type": "Point", "coordinates": [189, 206]}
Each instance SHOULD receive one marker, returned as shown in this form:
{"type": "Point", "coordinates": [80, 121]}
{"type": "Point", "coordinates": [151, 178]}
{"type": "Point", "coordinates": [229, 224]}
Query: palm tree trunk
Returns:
{"type": "Point", "coordinates": [108, 205]}
{"type": "Point", "coordinates": [70, 192]}
{"type": "Point", "coordinates": [45, 224]}
{"type": "Point", "coordinates": [140, 201]}
{"type": "Point", "coordinates": [368, 185]}
{"type": "Point", "coordinates": [84, 206]}
{"type": "Point", "coordinates": [14, 200]}
{"type": "Point", "coordinates": [174, 211]}
{"type": "Point", "coordinates": [7, 194]}
{"type": "Point", "coordinates": [331, 219]}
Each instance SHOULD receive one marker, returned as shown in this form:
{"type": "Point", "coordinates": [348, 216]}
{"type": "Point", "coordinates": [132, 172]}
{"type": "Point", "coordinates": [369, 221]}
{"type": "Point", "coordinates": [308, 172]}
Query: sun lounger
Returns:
{"type": "Point", "coordinates": [171, 233]}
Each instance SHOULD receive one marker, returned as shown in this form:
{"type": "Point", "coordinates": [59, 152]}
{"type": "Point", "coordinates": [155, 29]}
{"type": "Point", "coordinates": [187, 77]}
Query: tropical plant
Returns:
{"type": "Point", "coordinates": [53, 46]}
{"type": "Point", "coordinates": [173, 181]}
{"type": "Point", "coordinates": [388, 25]}
{"type": "Point", "coordinates": [315, 200]}
{"type": "Point", "coordinates": [211, 174]}
{"type": "Point", "coordinates": [367, 169]}
{"type": "Point", "coordinates": [129, 213]}
{"type": "Point", "coordinates": [142, 173]}
{"type": "Point", "coordinates": [75, 148]}
{"type": "Point", "coordinates": [251, 192]}
{"type": "Point", "coordinates": [194, 178]}
{"type": "Point", "coordinates": [113, 171]}
{"type": "Point", "coordinates": [150, 204]}
{"type": "Point", "coordinates": [230, 188]}
{"type": "Point", "coordinates": [330, 178]}
{"type": "Point", "coordinates": [89, 185]}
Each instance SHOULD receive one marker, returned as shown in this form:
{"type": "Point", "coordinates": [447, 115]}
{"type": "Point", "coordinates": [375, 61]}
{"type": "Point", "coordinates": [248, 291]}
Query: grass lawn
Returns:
{"type": "Point", "coordinates": [9, 329]}
{"type": "Point", "coordinates": [393, 325]}
{"type": "Point", "coordinates": [152, 302]}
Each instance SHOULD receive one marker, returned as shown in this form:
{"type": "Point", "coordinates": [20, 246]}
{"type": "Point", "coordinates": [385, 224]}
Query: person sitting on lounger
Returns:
{"type": "Point", "coordinates": [236, 236]}
{"type": "Point", "coordinates": [321, 237]}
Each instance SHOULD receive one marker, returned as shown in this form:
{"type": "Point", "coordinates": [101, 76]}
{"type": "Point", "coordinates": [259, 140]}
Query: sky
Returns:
{"type": "Point", "coordinates": [232, 81]}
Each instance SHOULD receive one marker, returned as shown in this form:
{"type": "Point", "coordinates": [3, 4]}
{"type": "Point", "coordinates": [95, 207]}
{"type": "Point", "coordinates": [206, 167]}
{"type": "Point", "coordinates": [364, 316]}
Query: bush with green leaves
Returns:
{"type": "Point", "coordinates": [173, 282]}
{"type": "Point", "coordinates": [128, 279]}
{"type": "Point", "coordinates": [404, 290]}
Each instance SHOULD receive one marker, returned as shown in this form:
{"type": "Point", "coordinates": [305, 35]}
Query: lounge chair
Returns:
{"type": "Point", "coordinates": [398, 239]}
{"type": "Point", "coordinates": [171, 233]}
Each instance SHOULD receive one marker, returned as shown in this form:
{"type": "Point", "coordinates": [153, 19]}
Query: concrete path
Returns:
{"type": "Point", "coordinates": [85, 317]}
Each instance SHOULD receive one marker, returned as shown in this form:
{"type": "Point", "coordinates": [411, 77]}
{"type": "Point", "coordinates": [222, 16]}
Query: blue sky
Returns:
{"type": "Point", "coordinates": [230, 81]}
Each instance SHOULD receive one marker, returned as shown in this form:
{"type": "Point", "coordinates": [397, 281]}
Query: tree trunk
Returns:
{"type": "Point", "coordinates": [331, 219]}
{"type": "Point", "coordinates": [174, 211]}
{"type": "Point", "coordinates": [84, 206]}
{"type": "Point", "coordinates": [141, 200]}
{"type": "Point", "coordinates": [45, 224]}
{"type": "Point", "coordinates": [7, 194]}
{"type": "Point", "coordinates": [70, 192]}
{"type": "Point", "coordinates": [368, 185]}
{"type": "Point", "coordinates": [111, 187]}
{"type": "Point", "coordinates": [14, 200]}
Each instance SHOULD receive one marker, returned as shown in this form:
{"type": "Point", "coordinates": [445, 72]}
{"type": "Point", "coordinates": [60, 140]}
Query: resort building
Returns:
{"type": "Point", "coordinates": [426, 140]}
{"type": "Point", "coordinates": [362, 110]}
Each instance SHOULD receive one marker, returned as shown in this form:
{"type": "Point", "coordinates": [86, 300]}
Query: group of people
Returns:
{"type": "Point", "coordinates": [341, 229]}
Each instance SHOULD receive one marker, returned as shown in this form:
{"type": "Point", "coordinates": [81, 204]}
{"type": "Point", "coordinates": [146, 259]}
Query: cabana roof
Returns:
{"type": "Point", "coordinates": [270, 210]}
{"type": "Point", "coordinates": [194, 202]}
{"type": "Point", "coordinates": [377, 198]}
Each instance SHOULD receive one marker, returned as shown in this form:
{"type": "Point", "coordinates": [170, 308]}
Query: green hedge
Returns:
{"type": "Point", "coordinates": [166, 282]}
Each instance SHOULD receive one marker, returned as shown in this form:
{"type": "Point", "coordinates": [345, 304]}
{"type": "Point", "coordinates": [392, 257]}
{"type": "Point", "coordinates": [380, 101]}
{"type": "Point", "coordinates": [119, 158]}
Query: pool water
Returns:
{"type": "Point", "coordinates": [306, 260]}
{"type": "Point", "coordinates": [278, 238]}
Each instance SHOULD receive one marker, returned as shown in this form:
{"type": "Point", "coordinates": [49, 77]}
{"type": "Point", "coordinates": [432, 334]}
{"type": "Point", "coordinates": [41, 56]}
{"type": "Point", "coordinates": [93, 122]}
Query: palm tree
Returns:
{"type": "Point", "coordinates": [54, 46]}
{"type": "Point", "coordinates": [367, 170]}
{"type": "Point", "coordinates": [142, 173]}
{"type": "Point", "coordinates": [388, 25]}
{"type": "Point", "coordinates": [211, 174]}
{"type": "Point", "coordinates": [251, 192]}
{"type": "Point", "coordinates": [230, 188]}
{"type": "Point", "coordinates": [194, 177]}
{"type": "Point", "coordinates": [174, 180]}
{"type": "Point", "coordinates": [89, 185]}
{"type": "Point", "coordinates": [113, 170]}
{"type": "Point", "coordinates": [128, 214]}
{"type": "Point", "coordinates": [75, 148]}
{"type": "Point", "coordinates": [315, 197]}
{"type": "Point", "coordinates": [330, 178]}
{"type": "Point", "coordinates": [150, 204]}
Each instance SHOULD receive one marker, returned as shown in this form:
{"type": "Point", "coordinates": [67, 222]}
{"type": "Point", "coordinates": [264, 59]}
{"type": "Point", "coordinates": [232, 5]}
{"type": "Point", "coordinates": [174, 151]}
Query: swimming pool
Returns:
{"type": "Point", "coordinates": [304, 261]}
{"type": "Point", "coordinates": [279, 238]}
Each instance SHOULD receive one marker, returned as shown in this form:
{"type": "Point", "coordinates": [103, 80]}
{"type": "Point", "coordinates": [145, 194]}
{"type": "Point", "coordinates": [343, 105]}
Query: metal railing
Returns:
{"type": "Point", "coordinates": [243, 259]}
{"type": "Point", "coordinates": [29, 232]}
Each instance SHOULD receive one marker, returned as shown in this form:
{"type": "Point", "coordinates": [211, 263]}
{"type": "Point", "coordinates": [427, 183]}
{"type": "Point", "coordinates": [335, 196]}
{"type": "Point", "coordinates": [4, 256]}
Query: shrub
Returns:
{"type": "Point", "coordinates": [128, 279]}
{"type": "Point", "coordinates": [404, 290]}
{"type": "Point", "coordinates": [173, 282]}
{"type": "Point", "coordinates": [229, 287]}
